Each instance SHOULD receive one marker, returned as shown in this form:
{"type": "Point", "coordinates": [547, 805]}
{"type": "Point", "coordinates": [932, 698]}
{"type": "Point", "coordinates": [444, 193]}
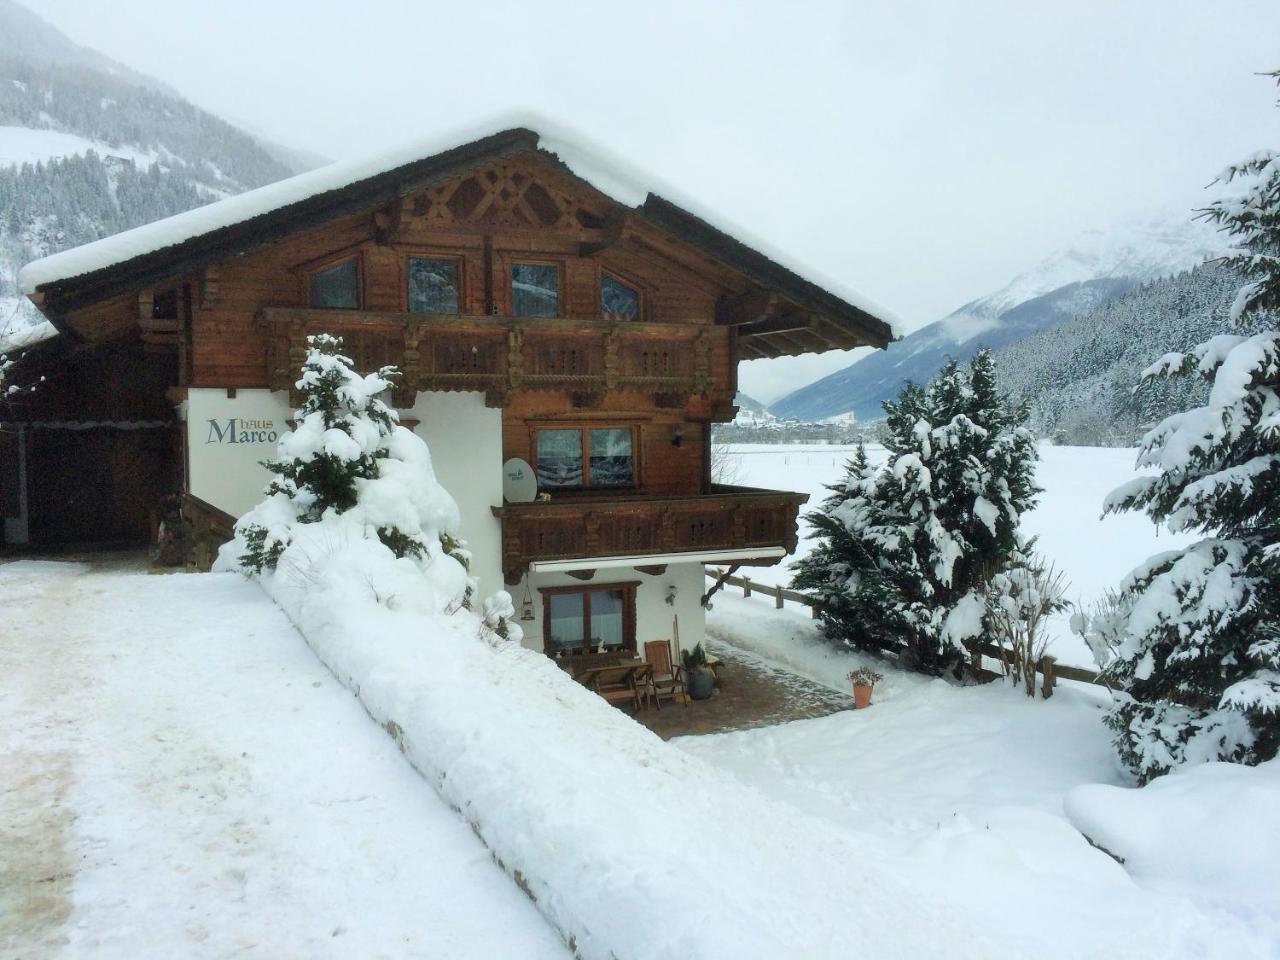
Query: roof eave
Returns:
{"type": "Point", "coordinates": [871, 330]}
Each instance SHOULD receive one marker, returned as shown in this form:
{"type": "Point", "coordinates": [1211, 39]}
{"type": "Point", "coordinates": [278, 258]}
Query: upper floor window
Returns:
{"type": "Point", "coordinates": [337, 286]}
{"type": "Point", "coordinates": [618, 301]}
{"type": "Point", "coordinates": [575, 457]}
{"type": "Point", "coordinates": [535, 290]}
{"type": "Point", "coordinates": [433, 286]}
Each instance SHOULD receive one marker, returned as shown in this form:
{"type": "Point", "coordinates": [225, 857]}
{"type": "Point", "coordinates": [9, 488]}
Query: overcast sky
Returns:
{"type": "Point", "coordinates": [922, 153]}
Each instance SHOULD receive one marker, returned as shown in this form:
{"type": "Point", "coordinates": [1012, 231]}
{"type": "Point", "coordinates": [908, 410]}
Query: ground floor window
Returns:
{"type": "Point", "coordinates": [598, 619]}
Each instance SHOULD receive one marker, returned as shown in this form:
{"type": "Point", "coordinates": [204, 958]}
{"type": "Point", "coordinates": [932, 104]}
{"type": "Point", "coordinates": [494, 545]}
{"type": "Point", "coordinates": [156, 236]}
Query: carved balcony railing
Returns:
{"type": "Point", "coordinates": [500, 355]}
{"type": "Point", "coordinates": [582, 526]}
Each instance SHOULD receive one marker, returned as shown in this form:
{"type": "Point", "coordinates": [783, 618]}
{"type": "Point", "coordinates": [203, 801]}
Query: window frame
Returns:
{"type": "Point", "coordinates": [628, 589]}
{"type": "Point", "coordinates": [520, 261]}
{"type": "Point", "coordinates": [584, 427]}
{"type": "Point", "coordinates": [627, 282]}
{"type": "Point", "coordinates": [417, 254]}
{"type": "Point", "coordinates": [310, 270]}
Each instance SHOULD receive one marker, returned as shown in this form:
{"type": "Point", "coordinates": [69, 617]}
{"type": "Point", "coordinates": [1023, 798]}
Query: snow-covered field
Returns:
{"type": "Point", "coordinates": [181, 777]}
{"type": "Point", "coordinates": [1095, 553]}
{"type": "Point", "coordinates": [965, 791]}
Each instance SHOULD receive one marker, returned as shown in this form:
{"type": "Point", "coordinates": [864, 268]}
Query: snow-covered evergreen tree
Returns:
{"type": "Point", "coordinates": [1199, 628]}
{"type": "Point", "coordinates": [348, 472]}
{"type": "Point", "coordinates": [858, 594]}
{"type": "Point", "coordinates": [906, 550]}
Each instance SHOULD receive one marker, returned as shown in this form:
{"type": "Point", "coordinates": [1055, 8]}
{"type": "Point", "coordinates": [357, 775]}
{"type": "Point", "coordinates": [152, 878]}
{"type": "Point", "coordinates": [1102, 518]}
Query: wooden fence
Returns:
{"type": "Point", "coordinates": [1048, 667]}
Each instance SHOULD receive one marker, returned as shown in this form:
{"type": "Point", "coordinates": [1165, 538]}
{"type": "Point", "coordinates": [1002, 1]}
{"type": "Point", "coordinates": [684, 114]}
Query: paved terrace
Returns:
{"type": "Point", "coordinates": [751, 693]}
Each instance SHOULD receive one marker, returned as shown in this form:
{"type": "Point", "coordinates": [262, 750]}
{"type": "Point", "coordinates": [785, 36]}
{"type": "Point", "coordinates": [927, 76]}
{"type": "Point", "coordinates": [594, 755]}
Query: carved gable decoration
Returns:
{"type": "Point", "coordinates": [509, 194]}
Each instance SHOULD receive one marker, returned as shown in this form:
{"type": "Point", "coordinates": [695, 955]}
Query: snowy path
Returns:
{"type": "Point", "coordinates": [181, 777]}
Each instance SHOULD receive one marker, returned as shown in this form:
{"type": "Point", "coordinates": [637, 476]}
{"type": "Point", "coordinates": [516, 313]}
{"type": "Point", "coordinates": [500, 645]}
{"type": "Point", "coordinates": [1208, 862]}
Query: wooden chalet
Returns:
{"type": "Point", "coordinates": [533, 315]}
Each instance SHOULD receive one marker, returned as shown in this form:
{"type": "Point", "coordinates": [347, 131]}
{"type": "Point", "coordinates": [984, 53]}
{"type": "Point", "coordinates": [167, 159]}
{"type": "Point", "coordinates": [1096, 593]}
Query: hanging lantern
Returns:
{"type": "Point", "coordinates": [526, 603]}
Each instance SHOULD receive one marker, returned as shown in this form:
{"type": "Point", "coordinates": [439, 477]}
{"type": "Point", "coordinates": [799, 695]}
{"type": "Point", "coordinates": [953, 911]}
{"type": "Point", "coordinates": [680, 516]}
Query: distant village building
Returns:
{"type": "Point", "coordinates": [541, 310]}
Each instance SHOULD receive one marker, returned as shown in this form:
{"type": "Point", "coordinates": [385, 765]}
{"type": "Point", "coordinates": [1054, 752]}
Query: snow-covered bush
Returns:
{"type": "Point", "coordinates": [1020, 598]}
{"type": "Point", "coordinates": [905, 551]}
{"type": "Point", "coordinates": [355, 491]}
{"type": "Point", "coordinates": [498, 617]}
{"type": "Point", "coordinates": [1199, 649]}
{"type": "Point", "coordinates": [1101, 625]}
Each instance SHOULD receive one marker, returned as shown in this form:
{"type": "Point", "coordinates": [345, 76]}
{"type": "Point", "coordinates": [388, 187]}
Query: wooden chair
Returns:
{"type": "Point", "coordinates": [615, 684]}
{"type": "Point", "coordinates": [667, 678]}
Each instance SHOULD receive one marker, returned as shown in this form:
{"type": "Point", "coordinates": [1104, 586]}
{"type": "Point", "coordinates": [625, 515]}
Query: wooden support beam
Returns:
{"type": "Point", "coordinates": [757, 306]}
{"type": "Point", "coordinates": [720, 582]}
{"type": "Point", "coordinates": [386, 222]}
{"type": "Point", "coordinates": [617, 227]}
{"type": "Point", "coordinates": [788, 322]}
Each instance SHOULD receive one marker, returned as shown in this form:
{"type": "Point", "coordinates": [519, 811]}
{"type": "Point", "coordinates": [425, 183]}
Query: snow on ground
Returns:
{"type": "Point", "coordinates": [962, 790]}
{"type": "Point", "coordinates": [632, 848]}
{"type": "Point", "coordinates": [1095, 553]}
{"type": "Point", "coordinates": [182, 778]}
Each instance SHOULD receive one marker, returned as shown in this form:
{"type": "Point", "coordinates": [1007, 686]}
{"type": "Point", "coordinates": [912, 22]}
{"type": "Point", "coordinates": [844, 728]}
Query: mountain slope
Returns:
{"type": "Point", "coordinates": [1094, 270]}
{"type": "Point", "coordinates": [1078, 377]}
{"type": "Point", "coordinates": [89, 147]}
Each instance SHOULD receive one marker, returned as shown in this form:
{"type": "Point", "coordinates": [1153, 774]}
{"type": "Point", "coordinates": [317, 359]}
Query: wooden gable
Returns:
{"type": "Point", "coordinates": [506, 197]}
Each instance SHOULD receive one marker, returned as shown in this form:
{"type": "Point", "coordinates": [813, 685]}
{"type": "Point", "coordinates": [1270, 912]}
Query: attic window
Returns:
{"type": "Point", "coordinates": [617, 300]}
{"type": "Point", "coordinates": [535, 290]}
{"type": "Point", "coordinates": [337, 287]}
{"type": "Point", "coordinates": [165, 305]}
{"type": "Point", "coordinates": [433, 286]}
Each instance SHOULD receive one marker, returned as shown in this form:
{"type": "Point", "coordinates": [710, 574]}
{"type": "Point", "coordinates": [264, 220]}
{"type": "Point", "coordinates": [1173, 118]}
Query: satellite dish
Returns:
{"type": "Point", "coordinates": [519, 483]}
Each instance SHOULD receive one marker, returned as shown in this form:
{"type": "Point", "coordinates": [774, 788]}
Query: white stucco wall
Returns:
{"type": "Point", "coordinates": [465, 438]}
{"type": "Point", "coordinates": [653, 613]}
{"type": "Point", "coordinates": [223, 457]}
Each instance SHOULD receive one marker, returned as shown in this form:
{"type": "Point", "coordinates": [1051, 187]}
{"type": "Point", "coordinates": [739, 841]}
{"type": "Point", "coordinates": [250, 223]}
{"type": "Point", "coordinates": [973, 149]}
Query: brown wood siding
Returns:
{"type": "Point", "coordinates": [471, 220]}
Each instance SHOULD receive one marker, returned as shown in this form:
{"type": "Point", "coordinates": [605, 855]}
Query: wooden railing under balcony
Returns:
{"type": "Point", "coordinates": [574, 527]}
{"type": "Point", "coordinates": [500, 355]}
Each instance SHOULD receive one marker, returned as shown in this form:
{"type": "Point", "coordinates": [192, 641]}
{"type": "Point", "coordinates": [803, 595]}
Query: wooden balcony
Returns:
{"type": "Point", "coordinates": [500, 355]}
{"type": "Point", "coordinates": [584, 527]}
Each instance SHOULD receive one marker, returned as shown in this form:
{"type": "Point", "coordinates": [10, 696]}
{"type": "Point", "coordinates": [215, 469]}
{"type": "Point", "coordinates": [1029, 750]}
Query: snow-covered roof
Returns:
{"type": "Point", "coordinates": [608, 174]}
{"type": "Point", "coordinates": [27, 337]}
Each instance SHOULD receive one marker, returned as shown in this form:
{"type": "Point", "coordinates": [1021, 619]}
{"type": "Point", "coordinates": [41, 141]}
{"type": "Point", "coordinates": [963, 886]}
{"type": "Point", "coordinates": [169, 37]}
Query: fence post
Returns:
{"type": "Point", "coordinates": [817, 611]}
{"type": "Point", "coordinates": [975, 661]}
{"type": "Point", "coordinates": [746, 586]}
{"type": "Point", "coordinates": [777, 596]}
{"type": "Point", "coordinates": [1046, 665]}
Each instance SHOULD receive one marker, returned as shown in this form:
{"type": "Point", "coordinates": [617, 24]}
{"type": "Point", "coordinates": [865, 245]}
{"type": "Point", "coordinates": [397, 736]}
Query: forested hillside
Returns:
{"type": "Point", "coordinates": [89, 147]}
{"type": "Point", "coordinates": [1097, 267]}
{"type": "Point", "coordinates": [1078, 377]}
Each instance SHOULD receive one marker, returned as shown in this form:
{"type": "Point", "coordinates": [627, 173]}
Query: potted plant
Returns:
{"type": "Point", "coordinates": [864, 678]}
{"type": "Point", "coordinates": [699, 680]}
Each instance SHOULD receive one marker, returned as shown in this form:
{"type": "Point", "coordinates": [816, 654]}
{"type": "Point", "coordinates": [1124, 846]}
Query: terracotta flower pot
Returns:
{"type": "Point", "coordinates": [861, 696]}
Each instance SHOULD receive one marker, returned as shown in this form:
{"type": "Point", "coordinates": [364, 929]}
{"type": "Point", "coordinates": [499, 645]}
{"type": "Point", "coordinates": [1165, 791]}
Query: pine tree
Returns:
{"type": "Point", "coordinates": [342, 442]}
{"type": "Point", "coordinates": [906, 550]}
{"type": "Point", "coordinates": [1199, 628]}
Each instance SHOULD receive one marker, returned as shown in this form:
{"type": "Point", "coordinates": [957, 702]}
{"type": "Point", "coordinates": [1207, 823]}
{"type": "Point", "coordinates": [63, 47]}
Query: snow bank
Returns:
{"type": "Point", "coordinates": [629, 847]}
{"type": "Point", "coordinates": [611, 175]}
{"type": "Point", "coordinates": [1208, 831]}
